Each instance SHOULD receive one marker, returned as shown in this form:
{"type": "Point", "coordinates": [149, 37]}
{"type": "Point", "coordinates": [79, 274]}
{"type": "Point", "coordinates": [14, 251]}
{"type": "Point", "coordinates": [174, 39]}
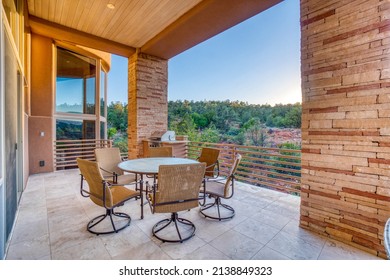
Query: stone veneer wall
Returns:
{"type": "Point", "coordinates": [148, 99]}
{"type": "Point", "coordinates": [345, 49]}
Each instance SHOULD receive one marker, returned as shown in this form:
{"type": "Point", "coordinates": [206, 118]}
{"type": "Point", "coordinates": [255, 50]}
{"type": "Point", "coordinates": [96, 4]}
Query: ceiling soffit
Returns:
{"type": "Point", "coordinates": [163, 28]}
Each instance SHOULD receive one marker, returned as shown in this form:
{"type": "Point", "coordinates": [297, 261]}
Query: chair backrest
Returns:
{"type": "Point", "coordinates": [210, 157]}
{"type": "Point", "coordinates": [230, 178]}
{"type": "Point", "coordinates": [178, 187]}
{"type": "Point", "coordinates": [160, 152]}
{"type": "Point", "coordinates": [91, 173]}
{"type": "Point", "coordinates": [108, 159]}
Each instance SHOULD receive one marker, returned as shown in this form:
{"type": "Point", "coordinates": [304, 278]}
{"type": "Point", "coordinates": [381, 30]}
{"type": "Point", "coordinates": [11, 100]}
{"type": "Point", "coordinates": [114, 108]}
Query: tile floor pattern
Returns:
{"type": "Point", "coordinates": [52, 218]}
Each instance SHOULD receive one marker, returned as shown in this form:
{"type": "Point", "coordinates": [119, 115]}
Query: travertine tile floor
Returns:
{"type": "Point", "coordinates": [52, 218]}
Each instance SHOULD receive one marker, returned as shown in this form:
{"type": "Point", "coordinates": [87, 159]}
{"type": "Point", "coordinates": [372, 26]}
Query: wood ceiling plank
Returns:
{"type": "Point", "coordinates": [65, 13]}
{"type": "Point", "coordinates": [128, 22]}
{"type": "Point", "coordinates": [38, 7]}
{"type": "Point", "coordinates": [91, 18]}
{"type": "Point", "coordinates": [31, 6]}
{"type": "Point", "coordinates": [51, 10]}
{"type": "Point", "coordinates": [104, 16]}
{"type": "Point", "coordinates": [84, 14]}
{"type": "Point", "coordinates": [129, 27]}
{"type": "Point", "coordinates": [161, 17]}
{"type": "Point", "coordinates": [72, 13]}
{"type": "Point", "coordinates": [58, 11]}
{"type": "Point", "coordinates": [73, 21]}
{"type": "Point", "coordinates": [96, 15]}
{"type": "Point", "coordinates": [121, 11]}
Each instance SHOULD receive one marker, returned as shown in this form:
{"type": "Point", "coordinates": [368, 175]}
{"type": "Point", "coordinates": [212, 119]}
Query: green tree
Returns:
{"type": "Point", "coordinates": [200, 120]}
{"type": "Point", "coordinates": [111, 132]}
{"type": "Point", "coordinates": [256, 132]}
{"type": "Point", "coordinates": [117, 116]}
{"type": "Point", "coordinates": [210, 135]}
{"type": "Point", "coordinates": [185, 125]}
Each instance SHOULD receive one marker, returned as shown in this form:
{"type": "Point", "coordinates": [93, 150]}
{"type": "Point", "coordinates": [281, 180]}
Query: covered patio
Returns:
{"type": "Point", "coordinates": [51, 224]}
{"type": "Point", "coordinates": [345, 190]}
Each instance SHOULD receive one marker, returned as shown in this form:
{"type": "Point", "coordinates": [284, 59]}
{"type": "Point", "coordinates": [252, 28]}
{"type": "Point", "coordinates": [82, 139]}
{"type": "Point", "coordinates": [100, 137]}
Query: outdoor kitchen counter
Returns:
{"type": "Point", "coordinates": [179, 147]}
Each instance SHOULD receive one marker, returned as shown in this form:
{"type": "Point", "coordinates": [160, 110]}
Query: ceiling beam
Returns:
{"type": "Point", "coordinates": [207, 19]}
{"type": "Point", "coordinates": [73, 36]}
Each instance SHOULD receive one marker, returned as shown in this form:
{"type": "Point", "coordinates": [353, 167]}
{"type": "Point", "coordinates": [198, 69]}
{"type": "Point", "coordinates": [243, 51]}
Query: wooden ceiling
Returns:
{"type": "Point", "coordinates": [159, 27]}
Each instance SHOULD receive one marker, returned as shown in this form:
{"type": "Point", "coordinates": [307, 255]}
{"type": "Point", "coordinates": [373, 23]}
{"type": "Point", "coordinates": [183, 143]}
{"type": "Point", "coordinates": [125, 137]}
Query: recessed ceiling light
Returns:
{"type": "Point", "coordinates": [111, 6]}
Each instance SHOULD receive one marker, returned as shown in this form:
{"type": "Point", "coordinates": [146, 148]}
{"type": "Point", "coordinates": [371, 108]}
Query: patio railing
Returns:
{"type": "Point", "coordinates": [66, 151]}
{"type": "Point", "coordinates": [273, 168]}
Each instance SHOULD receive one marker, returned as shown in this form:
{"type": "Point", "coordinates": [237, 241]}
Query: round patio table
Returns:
{"type": "Point", "coordinates": [149, 166]}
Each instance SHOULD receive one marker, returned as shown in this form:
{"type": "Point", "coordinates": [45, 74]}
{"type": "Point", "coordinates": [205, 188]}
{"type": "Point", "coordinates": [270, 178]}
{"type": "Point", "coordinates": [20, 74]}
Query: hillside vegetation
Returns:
{"type": "Point", "coordinates": [231, 121]}
{"type": "Point", "coordinates": [221, 122]}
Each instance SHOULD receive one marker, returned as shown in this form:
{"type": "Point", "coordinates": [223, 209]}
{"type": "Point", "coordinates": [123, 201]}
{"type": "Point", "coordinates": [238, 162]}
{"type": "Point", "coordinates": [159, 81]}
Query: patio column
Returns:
{"type": "Point", "coordinates": [40, 122]}
{"type": "Point", "coordinates": [148, 99]}
{"type": "Point", "coordinates": [345, 49]}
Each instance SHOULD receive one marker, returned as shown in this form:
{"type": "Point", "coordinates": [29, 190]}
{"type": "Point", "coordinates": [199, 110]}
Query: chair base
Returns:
{"type": "Point", "coordinates": [109, 213]}
{"type": "Point", "coordinates": [174, 220]}
{"type": "Point", "coordinates": [218, 204]}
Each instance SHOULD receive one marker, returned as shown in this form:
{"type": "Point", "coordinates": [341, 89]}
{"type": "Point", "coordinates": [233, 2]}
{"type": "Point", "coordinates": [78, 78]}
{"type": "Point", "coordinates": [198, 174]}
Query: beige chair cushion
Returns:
{"type": "Point", "coordinates": [126, 179]}
{"type": "Point", "coordinates": [121, 193]}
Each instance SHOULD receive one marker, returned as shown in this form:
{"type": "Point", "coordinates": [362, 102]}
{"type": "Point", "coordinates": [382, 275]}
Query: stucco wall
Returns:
{"type": "Point", "coordinates": [42, 103]}
{"type": "Point", "coordinates": [345, 49]}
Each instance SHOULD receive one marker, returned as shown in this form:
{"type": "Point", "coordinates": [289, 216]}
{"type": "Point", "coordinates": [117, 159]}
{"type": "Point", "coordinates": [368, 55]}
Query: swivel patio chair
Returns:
{"type": "Point", "coordinates": [158, 152]}
{"type": "Point", "coordinates": [178, 190]}
{"type": "Point", "coordinates": [218, 189]}
{"type": "Point", "coordinates": [210, 157]}
{"type": "Point", "coordinates": [386, 235]}
{"type": "Point", "coordinates": [105, 195]}
{"type": "Point", "coordinates": [108, 159]}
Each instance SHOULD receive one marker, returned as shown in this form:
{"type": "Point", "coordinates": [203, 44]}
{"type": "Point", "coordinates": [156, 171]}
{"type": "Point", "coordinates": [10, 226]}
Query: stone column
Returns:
{"type": "Point", "coordinates": [148, 99]}
{"type": "Point", "coordinates": [345, 49]}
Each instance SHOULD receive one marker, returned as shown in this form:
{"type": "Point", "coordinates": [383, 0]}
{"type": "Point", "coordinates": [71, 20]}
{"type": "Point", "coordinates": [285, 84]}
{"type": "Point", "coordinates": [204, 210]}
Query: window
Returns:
{"type": "Point", "coordinates": [102, 93]}
{"type": "Point", "coordinates": [102, 130]}
{"type": "Point", "coordinates": [69, 130]}
{"type": "Point", "coordinates": [103, 104]}
{"type": "Point", "coordinates": [75, 84]}
{"type": "Point", "coordinates": [75, 129]}
{"type": "Point", "coordinates": [80, 97]}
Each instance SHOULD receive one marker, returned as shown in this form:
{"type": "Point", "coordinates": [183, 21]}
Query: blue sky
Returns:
{"type": "Point", "coordinates": [257, 61]}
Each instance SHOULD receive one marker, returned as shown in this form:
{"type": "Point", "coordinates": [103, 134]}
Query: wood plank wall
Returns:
{"type": "Point", "coordinates": [345, 48]}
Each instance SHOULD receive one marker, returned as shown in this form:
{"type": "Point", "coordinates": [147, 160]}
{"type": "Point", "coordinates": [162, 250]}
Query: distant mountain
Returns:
{"type": "Point", "coordinates": [66, 108]}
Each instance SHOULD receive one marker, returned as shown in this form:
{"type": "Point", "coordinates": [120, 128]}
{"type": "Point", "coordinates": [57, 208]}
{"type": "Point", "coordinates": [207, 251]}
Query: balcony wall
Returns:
{"type": "Point", "coordinates": [42, 100]}
{"type": "Point", "coordinates": [346, 118]}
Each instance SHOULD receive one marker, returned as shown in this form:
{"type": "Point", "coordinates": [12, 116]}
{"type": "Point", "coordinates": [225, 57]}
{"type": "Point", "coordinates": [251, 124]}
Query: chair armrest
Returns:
{"type": "Point", "coordinates": [216, 164]}
{"type": "Point", "coordinates": [114, 175]}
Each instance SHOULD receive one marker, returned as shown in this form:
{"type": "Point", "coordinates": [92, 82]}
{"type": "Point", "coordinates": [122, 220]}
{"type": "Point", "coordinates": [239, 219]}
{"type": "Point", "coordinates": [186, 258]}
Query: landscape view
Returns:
{"type": "Point", "coordinates": [233, 122]}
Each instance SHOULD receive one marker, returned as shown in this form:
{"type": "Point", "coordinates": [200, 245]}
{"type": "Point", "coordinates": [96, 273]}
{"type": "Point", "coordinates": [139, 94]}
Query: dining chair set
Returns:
{"type": "Point", "coordinates": [177, 185]}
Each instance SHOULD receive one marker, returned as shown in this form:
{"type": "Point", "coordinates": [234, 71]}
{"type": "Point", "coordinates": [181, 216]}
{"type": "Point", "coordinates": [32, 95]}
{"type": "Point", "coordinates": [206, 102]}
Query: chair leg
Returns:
{"type": "Point", "coordinates": [109, 213]}
{"type": "Point", "coordinates": [218, 204]}
{"type": "Point", "coordinates": [177, 222]}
